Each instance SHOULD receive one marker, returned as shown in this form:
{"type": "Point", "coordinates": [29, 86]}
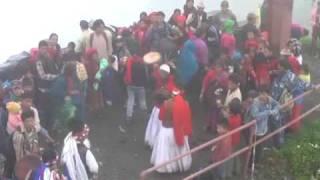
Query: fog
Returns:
{"type": "Point", "coordinates": [25, 22]}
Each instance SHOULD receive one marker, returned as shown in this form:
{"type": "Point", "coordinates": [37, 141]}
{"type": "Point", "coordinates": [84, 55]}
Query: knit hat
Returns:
{"type": "Point", "coordinates": [13, 107]}
{"type": "Point", "coordinates": [229, 25]}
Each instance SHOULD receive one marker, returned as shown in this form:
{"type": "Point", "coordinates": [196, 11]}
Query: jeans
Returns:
{"type": "Point", "coordinates": [133, 93]}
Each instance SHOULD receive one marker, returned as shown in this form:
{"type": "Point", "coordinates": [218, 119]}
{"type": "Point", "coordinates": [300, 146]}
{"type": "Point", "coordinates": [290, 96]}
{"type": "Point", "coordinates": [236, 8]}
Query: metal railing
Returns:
{"type": "Point", "coordinates": [252, 125]}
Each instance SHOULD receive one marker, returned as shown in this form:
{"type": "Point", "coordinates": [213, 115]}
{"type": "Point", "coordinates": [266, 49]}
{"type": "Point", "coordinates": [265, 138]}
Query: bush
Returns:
{"type": "Point", "coordinates": [302, 152]}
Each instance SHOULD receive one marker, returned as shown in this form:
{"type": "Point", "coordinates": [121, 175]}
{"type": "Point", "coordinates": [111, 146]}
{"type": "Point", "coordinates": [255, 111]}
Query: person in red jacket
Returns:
{"type": "Point", "coordinates": [264, 63]}
{"type": "Point", "coordinates": [233, 115]}
{"type": "Point", "coordinates": [221, 151]}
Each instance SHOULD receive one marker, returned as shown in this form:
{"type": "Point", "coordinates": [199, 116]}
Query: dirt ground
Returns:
{"type": "Point", "coordinates": [122, 156]}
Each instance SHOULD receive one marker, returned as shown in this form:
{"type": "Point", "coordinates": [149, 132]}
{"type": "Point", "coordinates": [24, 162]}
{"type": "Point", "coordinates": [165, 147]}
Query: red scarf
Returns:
{"type": "Point", "coordinates": [182, 122]}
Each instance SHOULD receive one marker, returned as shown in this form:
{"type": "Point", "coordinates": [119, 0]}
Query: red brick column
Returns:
{"type": "Point", "coordinates": [279, 25]}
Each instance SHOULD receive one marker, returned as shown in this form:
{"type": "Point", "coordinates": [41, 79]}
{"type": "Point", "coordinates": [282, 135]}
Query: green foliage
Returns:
{"type": "Point", "coordinates": [302, 152]}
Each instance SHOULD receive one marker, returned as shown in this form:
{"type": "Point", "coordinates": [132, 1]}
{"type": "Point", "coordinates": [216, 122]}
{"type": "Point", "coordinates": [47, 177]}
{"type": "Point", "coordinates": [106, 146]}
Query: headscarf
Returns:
{"type": "Point", "coordinates": [181, 115]}
{"type": "Point", "coordinates": [187, 64]}
{"type": "Point", "coordinates": [228, 26]}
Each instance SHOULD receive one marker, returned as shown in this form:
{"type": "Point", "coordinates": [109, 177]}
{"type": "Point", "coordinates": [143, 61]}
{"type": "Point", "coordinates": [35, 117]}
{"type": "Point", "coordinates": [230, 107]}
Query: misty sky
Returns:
{"type": "Point", "coordinates": [25, 22]}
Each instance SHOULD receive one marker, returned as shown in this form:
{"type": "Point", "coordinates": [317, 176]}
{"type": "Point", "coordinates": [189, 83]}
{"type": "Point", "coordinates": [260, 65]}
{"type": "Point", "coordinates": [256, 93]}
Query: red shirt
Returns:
{"type": "Point", "coordinates": [235, 122]}
{"type": "Point", "coordinates": [210, 76]}
{"type": "Point", "coordinates": [223, 149]}
{"type": "Point", "coordinates": [228, 41]}
{"type": "Point", "coordinates": [251, 43]}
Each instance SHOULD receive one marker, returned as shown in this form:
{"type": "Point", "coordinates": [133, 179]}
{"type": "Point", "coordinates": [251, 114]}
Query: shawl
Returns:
{"type": "Point", "coordinates": [182, 123]}
{"type": "Point", "coordinates": [187, 64]}
{"type": "Point", "coordinates": [202, 51]}
{"type": "Point", "coordinates": [71, 158]}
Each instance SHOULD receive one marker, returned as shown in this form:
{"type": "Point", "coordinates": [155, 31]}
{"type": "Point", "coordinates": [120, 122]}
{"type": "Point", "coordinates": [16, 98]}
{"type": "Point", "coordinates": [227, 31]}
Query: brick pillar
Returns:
{"type": "Point", "coordinates": [279, 25]}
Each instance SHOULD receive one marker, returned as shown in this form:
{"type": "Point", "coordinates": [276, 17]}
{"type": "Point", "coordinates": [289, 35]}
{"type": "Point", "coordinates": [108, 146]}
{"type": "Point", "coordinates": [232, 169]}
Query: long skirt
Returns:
{"type": "Point", "coordinates": [165, 149]}
{"type": "Point", "coordinates": [153, 127]}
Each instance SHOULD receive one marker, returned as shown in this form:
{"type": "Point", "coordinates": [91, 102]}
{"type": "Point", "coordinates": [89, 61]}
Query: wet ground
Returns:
{"type": "Point", "coordinates": [123, 156]}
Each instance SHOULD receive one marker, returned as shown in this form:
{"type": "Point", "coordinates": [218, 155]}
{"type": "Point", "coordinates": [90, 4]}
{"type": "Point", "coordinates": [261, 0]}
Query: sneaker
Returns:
{"type": "Point", "coordinates": [122, 130]}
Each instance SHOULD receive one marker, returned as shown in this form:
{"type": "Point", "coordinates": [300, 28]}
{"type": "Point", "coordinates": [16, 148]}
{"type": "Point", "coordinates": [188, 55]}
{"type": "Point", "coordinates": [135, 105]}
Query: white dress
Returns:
{"type": "Point", "coordinates": [153, 127]}
{"type": "Point", "coordinates": [165, 148]}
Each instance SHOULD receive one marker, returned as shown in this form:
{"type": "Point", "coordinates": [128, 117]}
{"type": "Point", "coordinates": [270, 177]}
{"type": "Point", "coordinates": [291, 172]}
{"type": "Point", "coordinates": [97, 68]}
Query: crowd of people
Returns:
{"type": "Point", "coordinates": [230, 69]}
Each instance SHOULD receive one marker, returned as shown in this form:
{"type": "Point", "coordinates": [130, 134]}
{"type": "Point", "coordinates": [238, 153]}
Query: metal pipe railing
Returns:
{"type": "Point", "coordinates": [146, 172]}
{"type": "Point", "coordinates": [247, 148]}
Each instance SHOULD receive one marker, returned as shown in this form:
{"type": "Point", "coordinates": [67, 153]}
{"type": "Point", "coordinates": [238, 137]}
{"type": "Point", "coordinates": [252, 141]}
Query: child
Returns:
{"type": "Point", "coordinates": [305, 73]}
{"type": "Point", "coordinates": [14, 117]}
{"type": "Point", "coordinates": [27, 105]}
{"type": "Point", "coordinates": [235, 121]}
{"type": "Point", "coordinates": [251, 43]}
{"type": "Point", "coordinates": [15, 90]}
{"type": "Point", "coordinates": [48, 169]}
{"type": "Point", "coordinates": [221, 151]}
{"type": "Point", "coordinates": [233, 90]}
{"type": "Point", "coordinates": [25, 139]}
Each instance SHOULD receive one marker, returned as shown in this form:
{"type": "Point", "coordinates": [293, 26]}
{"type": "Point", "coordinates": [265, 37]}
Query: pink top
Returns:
{"type": "Point", "coordinates": [228, 41]}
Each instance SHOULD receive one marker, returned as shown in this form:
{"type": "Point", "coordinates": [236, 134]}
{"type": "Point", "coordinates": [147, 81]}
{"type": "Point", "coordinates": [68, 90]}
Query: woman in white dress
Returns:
{"type": "Point", "coordinates": [173, 135]}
